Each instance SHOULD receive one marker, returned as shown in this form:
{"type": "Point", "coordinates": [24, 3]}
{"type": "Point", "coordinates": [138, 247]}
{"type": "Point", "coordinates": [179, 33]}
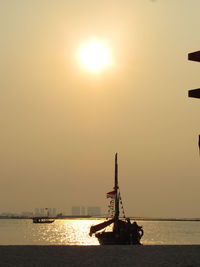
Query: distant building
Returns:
{"type": "Point", "coordinates": [45, 212]}
{"type": "Point", "coordinates": [94, 211]}
{"type": "Point", "coordinates": [54, 212]}
{"type": "Point", "coordinates": [42, 212]}
{"type": "Point", "coordinates": [27, 214]}
{"type": "Point", "coordinates": [76, 211]}
{"type": "Point", "coordinates": [9, 214]}
{"type": "Point", "coordinates": [37, 212]}
{"type": "Point", "coordinates": [83, 211]}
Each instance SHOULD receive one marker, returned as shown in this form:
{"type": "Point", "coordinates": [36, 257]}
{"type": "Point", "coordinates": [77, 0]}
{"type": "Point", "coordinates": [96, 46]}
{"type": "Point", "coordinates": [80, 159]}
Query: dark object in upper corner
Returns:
{"type": "Point", "coordinates": [194, 93]}
{"type": "Point", "coordinates": [194, 56]}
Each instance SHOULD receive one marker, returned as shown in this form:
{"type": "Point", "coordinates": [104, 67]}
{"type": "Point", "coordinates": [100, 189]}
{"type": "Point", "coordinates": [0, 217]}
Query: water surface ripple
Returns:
{"type": "Point", "coordinates": [75, 232]}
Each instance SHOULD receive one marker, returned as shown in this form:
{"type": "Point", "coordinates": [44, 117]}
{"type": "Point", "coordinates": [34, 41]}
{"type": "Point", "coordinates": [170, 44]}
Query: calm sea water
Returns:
{"type": "Point", "coordinates": [75, 232]}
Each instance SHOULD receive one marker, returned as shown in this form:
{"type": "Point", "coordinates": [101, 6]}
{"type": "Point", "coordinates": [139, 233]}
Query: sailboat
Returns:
{"type": "Point", "coordinates": [123, 231]}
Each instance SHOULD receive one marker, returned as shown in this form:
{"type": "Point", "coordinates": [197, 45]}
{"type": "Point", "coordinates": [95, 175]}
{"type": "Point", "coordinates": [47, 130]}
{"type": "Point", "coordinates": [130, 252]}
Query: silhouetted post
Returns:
{"type": "Point", "coordinates": [194, 56]}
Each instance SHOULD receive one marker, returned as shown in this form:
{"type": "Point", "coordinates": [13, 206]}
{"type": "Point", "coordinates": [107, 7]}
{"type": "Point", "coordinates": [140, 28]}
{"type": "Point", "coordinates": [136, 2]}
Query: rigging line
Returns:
{"type": "Point", "coordinates": [110, 209]}
{"type": "Point", "coordinates": [123, 211]}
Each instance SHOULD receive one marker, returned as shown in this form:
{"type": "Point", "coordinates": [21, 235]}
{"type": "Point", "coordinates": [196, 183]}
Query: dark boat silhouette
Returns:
{"type": "Point", "coordinates": [123, 231]}
{"type": "Point", "coordinates": [43, 219]}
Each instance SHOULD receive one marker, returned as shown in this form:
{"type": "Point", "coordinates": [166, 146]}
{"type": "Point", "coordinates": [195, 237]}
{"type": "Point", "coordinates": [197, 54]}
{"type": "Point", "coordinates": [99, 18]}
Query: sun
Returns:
{"type": "Point", "coordinates": [94, 55]}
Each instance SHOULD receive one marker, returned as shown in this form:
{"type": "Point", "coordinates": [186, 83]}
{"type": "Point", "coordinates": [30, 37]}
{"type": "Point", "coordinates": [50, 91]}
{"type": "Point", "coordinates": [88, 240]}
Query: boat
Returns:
{"type": "Point", "coordinates": [123, 231]}
{"type": "Point", "coordinates": [43, 220]}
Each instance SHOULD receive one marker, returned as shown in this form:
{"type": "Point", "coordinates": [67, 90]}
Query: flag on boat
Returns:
{"type": "Point", "coordinates": [111, 194]}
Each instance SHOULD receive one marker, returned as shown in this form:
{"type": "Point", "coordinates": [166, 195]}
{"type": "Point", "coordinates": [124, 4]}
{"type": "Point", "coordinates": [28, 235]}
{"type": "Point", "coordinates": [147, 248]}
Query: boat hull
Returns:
{"type": "Point", "coordinates": [42, 220]}
{"type": "Point", "coordinates": [114, 238]}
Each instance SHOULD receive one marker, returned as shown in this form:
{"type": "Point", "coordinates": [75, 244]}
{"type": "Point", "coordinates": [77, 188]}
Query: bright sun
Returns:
{"type": "Point", "coordinates": [94, 55]}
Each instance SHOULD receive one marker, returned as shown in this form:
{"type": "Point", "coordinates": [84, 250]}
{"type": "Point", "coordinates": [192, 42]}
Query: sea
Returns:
{"type": "Point", "coordinates": [76, 232]}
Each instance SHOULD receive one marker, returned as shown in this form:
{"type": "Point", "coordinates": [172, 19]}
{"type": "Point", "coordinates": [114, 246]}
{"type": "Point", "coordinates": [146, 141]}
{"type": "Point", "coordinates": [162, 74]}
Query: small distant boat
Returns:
{"type": "Point", "coordinates": [43, 220]}
{"type": "Point", "coordinates": [123, 232]}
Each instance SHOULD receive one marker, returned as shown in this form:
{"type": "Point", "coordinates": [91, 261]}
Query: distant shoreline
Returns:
{"type": "Point", "coordinates": [101, 218]}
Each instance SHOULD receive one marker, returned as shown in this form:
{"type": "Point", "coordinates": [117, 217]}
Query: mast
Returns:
{"type": "Point", "coordinates": [116, 187]}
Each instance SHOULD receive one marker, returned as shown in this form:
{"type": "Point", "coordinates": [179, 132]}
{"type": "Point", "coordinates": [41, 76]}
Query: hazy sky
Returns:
{"type": "Point", "coordinates": [62, 124]}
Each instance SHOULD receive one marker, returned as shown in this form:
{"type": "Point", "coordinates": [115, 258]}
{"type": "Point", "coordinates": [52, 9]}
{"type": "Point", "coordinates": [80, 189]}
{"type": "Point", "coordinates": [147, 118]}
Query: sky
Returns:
{"type": "Point", "coordinates": [61, 124]}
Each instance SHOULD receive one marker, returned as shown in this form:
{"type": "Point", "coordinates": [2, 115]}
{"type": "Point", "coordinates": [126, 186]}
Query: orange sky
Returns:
{"type": "Point", "coordinates": [61, 124]}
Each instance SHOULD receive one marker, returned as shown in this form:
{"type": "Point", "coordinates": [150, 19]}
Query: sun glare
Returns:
{"type": "Point", "coordinates": [94, 55]}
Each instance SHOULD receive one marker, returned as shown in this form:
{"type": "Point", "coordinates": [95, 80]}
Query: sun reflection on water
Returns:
{"type": "Point", "coordinates": [76, 232]}
{"type": "Point", "coordinates": [64, 232]}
